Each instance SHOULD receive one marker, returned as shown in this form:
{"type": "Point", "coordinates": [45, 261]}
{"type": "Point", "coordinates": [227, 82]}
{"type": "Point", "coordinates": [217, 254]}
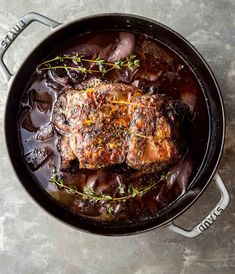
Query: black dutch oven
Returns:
{"type": "Point", "coordinates": [155, 30]}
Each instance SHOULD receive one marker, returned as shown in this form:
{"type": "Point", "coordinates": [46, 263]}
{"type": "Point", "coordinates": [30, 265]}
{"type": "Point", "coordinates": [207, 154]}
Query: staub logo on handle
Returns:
{"type": "Point", "coordinates": [11, 35]}
{"type": "Point", "coordinates": [211, 218]}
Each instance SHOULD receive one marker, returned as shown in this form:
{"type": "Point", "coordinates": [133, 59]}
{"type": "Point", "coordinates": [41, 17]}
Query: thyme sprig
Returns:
{"type": "Point", "coordinates": [90, 194]}
{"type": "Point", "coordinates": [131, 62]}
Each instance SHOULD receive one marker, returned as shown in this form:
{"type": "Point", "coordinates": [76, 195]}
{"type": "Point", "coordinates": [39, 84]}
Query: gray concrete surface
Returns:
{"type": "Point", "coordinates": [33, 242]}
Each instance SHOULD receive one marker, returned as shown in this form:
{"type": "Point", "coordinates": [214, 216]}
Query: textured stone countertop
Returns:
{"type": "Point", "coordinates": [32, 242]}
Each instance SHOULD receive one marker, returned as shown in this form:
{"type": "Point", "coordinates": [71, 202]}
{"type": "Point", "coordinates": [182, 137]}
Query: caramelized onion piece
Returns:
{"type": "Point", "coordinates": [124, 47]}
{"type": "Point", "coordinates": [85, 49]}
{"type": "Point", "coordinates": [57, 79]}
{"type": "Point", "coordinates": [180, 174]}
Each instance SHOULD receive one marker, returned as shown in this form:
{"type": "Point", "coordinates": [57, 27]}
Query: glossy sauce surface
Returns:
{"type": "Point", "coordinates": [40, 139]}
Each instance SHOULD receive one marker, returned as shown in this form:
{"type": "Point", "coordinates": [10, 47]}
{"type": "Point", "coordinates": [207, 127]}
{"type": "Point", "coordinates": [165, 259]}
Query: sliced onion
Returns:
{"type": "Point", "coordinates": [85, 49]}
{"type": "Point", "coordinates": [106, 52]}
{"type": "Point", "coordinates": [124, 47]}
{"type": "Point", "coordinates": [56, 78]}
{"type": "Point", "coordinates": [181, 173]}
{"type": "Point", "coordinates": [91, 182]}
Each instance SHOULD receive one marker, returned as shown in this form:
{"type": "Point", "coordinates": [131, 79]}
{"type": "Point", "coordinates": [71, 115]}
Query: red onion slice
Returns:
{"type": "Point", "coordinates": [85, 49]}
{"type": "Point", "coordinates": [124, 47]}
{"type": "Point", "coordinates": [57, 79]}
{"type": "Point", "coordinates": [181, 174]}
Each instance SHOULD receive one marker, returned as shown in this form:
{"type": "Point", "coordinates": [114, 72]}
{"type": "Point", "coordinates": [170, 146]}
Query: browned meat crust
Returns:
{"type": "Point", "coordinates": [67, 155]}
{"type": "Point", "coordinates": [112, 123]}
{"type": "Point", "coordinates": [162, 127]}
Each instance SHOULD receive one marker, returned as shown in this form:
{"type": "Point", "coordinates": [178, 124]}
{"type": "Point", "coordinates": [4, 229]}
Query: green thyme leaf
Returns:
{"type": "Point", "coordinates": [131, 62]}
{"type": "Point", "coordinates": [121, 188]}
{"type": "Point", "coordinates": [133, 191]}
{"type": "Point", "coordinates": [102, 69]}
{"type": "Point", "coordinates": [118, 64]}
{"type": "Point", "coordinates": [60, 58]}
{"type": "Point", "coordinates": [78, 59]}
{"type": "Point", "coordinates": [106, 197]}
{"type": "Point", "coordinates": [88, 190]}
{"type": "Point", "coordinates": [136, 63]}
{"type": "Point", "coordinates": [110, 209]}
{"type": "Point", "coordinates": [100, 61]}
{"type": "Point", "coordinates": [83, 70]}
{"type": "Point", "coordinates": [90, 194]}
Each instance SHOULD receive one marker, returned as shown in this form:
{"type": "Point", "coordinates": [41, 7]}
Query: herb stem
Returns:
{"type": "Point", "coordinates": [46, 62]}
{"type": "Point", "coordinates": [130, 62]}
{"type": "Point", "coordinates": [96, 61]}
{"type": "Point", "coordinates": [71, 68]}
{"type": "Point", "coordinates": [90, 194]}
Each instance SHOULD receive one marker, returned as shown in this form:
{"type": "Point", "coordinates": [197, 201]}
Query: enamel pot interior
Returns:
{"type": "Point", "coordinates": [160, 33]}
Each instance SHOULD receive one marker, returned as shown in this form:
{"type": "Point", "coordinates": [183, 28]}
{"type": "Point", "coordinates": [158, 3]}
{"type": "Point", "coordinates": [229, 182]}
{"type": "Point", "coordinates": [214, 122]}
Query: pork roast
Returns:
{"type": "Point", "coordinates": [112, 123]}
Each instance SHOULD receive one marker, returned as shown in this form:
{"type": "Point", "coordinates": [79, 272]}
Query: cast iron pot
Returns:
{"type": "Point", "coordinates": [137, 24]}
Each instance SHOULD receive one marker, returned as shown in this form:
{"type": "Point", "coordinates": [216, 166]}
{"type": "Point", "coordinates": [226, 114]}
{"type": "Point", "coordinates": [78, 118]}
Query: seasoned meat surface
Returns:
{"type": "Point", "coordinates": [112, 123]}
{"type": "Point", "coordinates": [67, 155]}
{"type": "Point", "coordinates": [156, 141]}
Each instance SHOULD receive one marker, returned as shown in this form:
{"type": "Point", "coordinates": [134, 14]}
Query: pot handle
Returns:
{"type": "Point", "coordinates": [12, 34]}
{"type": "Point", "coordinates": [210, 218]}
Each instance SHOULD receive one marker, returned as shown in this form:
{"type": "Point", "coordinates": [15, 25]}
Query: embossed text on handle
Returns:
{"type": "Point", "coordinates": [12, 34]}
